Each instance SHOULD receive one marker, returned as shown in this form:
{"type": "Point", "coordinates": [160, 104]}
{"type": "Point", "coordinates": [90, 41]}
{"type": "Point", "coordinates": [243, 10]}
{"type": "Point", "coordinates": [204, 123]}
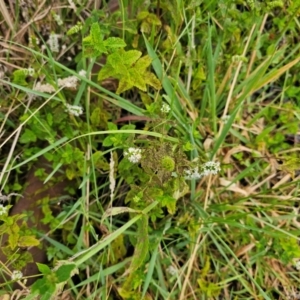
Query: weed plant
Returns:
{"type": "Point", "coordinates": [177, 126]}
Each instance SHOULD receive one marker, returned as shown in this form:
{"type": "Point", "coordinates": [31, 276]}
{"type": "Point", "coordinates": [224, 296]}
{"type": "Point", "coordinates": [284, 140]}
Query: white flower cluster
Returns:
{"type": "Point", "coordinates": [69, 82]}
{"type": "Point", "coordinates": [44, 88]}
{"type": "Point", "coordinates": [171, 270]}
{"type": "Point", "coordinates": [53, 42]}
{"type": "Point", "coordinates": [33, 41]}
{"type": "Point", "coordinates": [3, 210]}
{"type": "Point", "coordinates": [29, 71]}
{"type": "Point", "coordinates": [208, 168]}
{"type": "Point", "coordinates": [165, 108]}
{"type": "Point", "coordinates": [134, 155]}
{"type": "Point", "coordinates": [58, 19]}
{"type": "Point", "coordinates": [16, 275]}
{"type": "Point", "coordinates": [225, 118]}
{"type": "Point", "coordinates": [82, 73]}
{"type": "Point", "coordinates": [192, 173]}
{"type": "Point", "coordinates": [74, 110]}
{"type": "Point", "coordinates": [211, 167]}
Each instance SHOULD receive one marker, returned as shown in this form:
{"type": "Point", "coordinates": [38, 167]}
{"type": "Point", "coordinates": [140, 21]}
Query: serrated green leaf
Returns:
{"type": "Point", "coordinates": [106, 72]}
{"type": "Point", "coordinates": [117, 62]}
{"type": "Point", "coordinates": [13, 240]}
{"type": "Point", "coordinates": [170, 203]}
{"type": "Point", "coordinates": [28, 241]}
{"type": "Point", "coordinates": [143, 63]}
{"type": "Point", "coordinates": [131, 56]}
{"type": "Point", "coordinates": [137, 80]}
{"type": "Point", "coordinates": [27, 137]}
{"type": "Point", "coordinates": [152, 80]}
{"type": "Point", "coordinates": [94, 45]}
{"type": "Point", "coordinates": [114, 42]}
{"type": "Point", "coordinates": [123, 86]}
{"type": "Point", "coordinates": [95, 33]}
{"type": "Point", "coordinates": [142, 15]}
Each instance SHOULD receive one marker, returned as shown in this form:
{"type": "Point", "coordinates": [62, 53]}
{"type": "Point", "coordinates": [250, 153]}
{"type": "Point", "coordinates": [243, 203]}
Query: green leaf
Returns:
{"type": "Point", "coordinates": [13, 240]}
{"type": "Point", "coordinates": [44, 287]}
{"type": "Point", "coordinates": [168, 202]}
{"type": "Point", "coordinates": [124, 85]}
{"type": "Point", "coordinates": [131, 56]}
{"type": "Point", "coordinates": [65, 272]}
{"type": "Point", "coordinates": [115, 59]}
{"type": "Point", "coordinates": [142, 15]}
{"type": "Point", "coordinates": [107, 71]}
{"type": "Point", "coordinates": [100, 161]}
{"type": "Point", "coordinates": [143, 63]}
{"type": "Point", "coordinates": [70, 173]}
{"type": "Point", "coordinates": [93, 44]}
{"type": "Point", "coordinates": [19, 77]}
{"type": "Point", "coordinates": [108, 141]}
{"type": "Point", "coordinates": [152, 80]}
{"type": "Point", "coordinates": [27, 137]}
{"type": "Point", "coordinates": [97, 38]}
{"type": "Point", "coordinates": [137, 80]}
{"type": "Point", "coordinates": [96, 116]}
{"type": "Point", "coordinates": [140, 251]}
{"type": "Point", "coordinates": [44, 269]}
{"type": "Point", "coordinates": [114, 42]}
{"type": "Point", "coordinates": [28, 241]}
{"type": "Point", "coordinates": [112, 126]}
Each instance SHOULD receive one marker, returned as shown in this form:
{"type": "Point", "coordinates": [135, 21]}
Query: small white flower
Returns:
{"type": "Point", "coordinates": [3, 210]}
{"type": "Point", "coordinates": [30, 71]}
{"type": "Point", "coordinates": [134, 155]}
{"type": "Point", "coordinates": [70, 82]}
{"type": "Point", "coordinates": [82, 73]}
{"type": "Point", "coordinates": [165, 108]}
{"type": "Point", "coordinates": [171, 270]}
{"type": "Point", "coordinates": [211, 167]}
{"type": "Point", "coordinates": [225, 118]}
{"type": "Point", "coordinates": [74, 110]}
{"type": "Point", "coordinates": [53, 42]}
{"type": "Point", "coordinates": [16, 275]}
{"type": "Point", "coordinates": [192, 174]}
{"type": "Point", "coordinates": [33, 41]}
{"type": "Point", "coordinates": [44, 88]}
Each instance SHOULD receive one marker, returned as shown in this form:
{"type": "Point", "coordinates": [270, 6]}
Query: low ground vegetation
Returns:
{"type": "Point", "coordinates": [149, 149]}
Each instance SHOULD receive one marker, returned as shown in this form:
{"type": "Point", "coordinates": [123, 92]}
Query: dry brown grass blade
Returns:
{"type": "Point", "coordinates": [273, 75]}
{"type": "Point", "coordinates": [6, 15]}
